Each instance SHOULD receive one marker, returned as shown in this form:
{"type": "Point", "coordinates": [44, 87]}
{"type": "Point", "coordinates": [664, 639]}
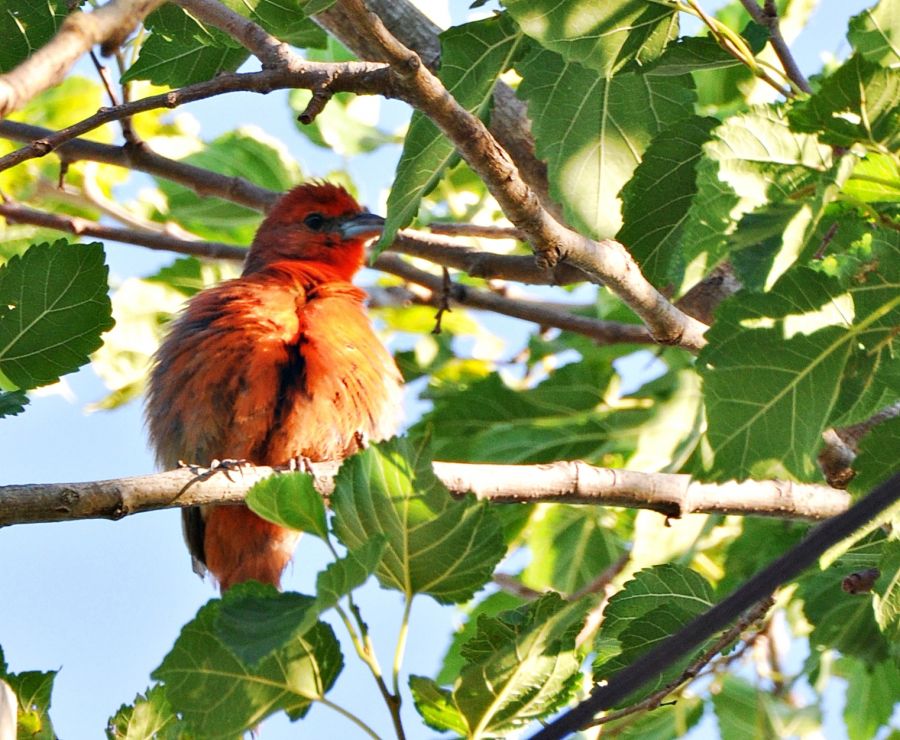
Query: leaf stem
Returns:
{"type": "Point", "coordinates": [401, 643]}
{"type": "Point", "coordinates": [349, 715]}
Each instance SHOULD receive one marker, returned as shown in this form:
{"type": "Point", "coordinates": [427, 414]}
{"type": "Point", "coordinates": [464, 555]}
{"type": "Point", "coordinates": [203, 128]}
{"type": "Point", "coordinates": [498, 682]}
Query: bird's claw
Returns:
{"type": "Point", "coordinates": [300, 463]}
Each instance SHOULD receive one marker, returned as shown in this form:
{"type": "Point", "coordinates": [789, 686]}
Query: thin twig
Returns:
{"type": "Point", "coordinates": [768, 18]}
{"type": "Point", "coordinates": [733, 633]}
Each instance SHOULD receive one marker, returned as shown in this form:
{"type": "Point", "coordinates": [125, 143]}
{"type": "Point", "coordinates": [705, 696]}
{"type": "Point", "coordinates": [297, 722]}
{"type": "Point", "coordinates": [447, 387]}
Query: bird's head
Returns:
{"type": "Point", "coordinates": [317, 223]}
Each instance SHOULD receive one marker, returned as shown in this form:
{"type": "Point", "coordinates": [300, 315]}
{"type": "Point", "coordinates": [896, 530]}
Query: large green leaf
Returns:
{"type": "Point", "coordinates": [521, 665]}
{"type": "Point", "coordinates": [656, 201]}
{"type": "Point", "coordinates": [875, 33]}
{"type": "Point", "coordinates": [753, 160]}
{"type": "Point", "coordinates": [149, 716]}
{"type": "Point", "coordinates": [860, 102]}
{"type": "Point", "coordinates": [472, 57]}
{"type": "Point", "coordinates": [887, 594]}
{"type": "Point", "coordinates": [774, 366]}
{"type": "Point", "coordinates": [434, 544]}
{"type": "Point", "coordinates": [601, 36]}
{"type": "Point", "coordinates": [745, 712]}
{"type": "Point", "coordinates": [255, 620]}
{"type": "Point", "coordinates": [25, 27]}
{"type": "Point", "coordinates": [586, 129]}
{"type": "Point", "coordinates": [220, 695]}
{"type": "Point", "coordinates": [247, 152]}
{"type": "Point", "coordinates": [651, 588]}
{"type": "Point", "coordinates": [872, 692]}
{"type": "Point", "coordinates": [570, 546]}
{"type": "Point", "coordinates": [53, 308]}
{"type": "Point", "coordinates": [180, 50]}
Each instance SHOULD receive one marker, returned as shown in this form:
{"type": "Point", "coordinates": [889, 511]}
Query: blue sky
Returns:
{"type": "Point", "coordinates": [103, 601]}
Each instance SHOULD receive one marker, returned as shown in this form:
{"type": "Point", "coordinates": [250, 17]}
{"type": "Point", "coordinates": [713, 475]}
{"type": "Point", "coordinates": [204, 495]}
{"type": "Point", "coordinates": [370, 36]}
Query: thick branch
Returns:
{"type": "Point", "coordinates": [561, 482]}
{"type": "Point", "coordinates": [109, 25]}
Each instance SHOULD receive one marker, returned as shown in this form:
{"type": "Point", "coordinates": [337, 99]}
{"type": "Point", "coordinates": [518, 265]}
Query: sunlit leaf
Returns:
{"type": "Point", "coordinates": [291, 500]}
{"type": "Point", "coordinates": [149, 716]}
{"type": "Point", "coordinates": [875, 33]}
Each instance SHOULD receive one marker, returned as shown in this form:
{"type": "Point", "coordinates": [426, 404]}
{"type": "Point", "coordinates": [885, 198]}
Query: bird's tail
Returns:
{"type": "Point", "coordinates": [239, 546]}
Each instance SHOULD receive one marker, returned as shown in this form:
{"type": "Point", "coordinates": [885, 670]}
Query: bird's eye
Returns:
{"type": "Point", "coordinates": [314, 221]}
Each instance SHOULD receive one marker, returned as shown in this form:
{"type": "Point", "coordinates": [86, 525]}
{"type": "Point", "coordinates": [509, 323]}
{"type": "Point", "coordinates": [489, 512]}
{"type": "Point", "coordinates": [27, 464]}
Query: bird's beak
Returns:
{"type": "Point", "coordinates": [361, 226]}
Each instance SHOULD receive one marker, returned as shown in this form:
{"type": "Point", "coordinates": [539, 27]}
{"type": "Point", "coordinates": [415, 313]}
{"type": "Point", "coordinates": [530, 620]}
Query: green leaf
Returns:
{"type": "Point", "coordinates": [255, 619]}
{"type": "Point", "coordinates": [434, 544]}
{"type": "Point", "coordinates": [522, 665]}
{"type": "Point", "coordinates": [585, 128]}
{"type": "Point", "coordinates": [436, 706]}
{"type": "Point", "coordinates": [181, 51]}
{"type": "Point", "coordinates": [887, 594]}
{"type": "Point", "coordinates": [499, 601]}
{"type": "Point", "coordinates": [875, 34]}
{"type": "Point", "coordinates": [878, 455]}
{"type": "Point", "coordinates": [189, 275]}
{"type": "Point", "coordinates": [33, 690]}
{"type": "Point", "coordinates": [875, 179]}
{"type": "Point", "coordinates": [53, 308]}
{"type": "Point", "coordinates": [149, 716]}
{"type": "Point", "coordinates": [843, 621]}
{"type": "Point", "coordinates": [291, 500]}
{"type": "Point", "coordinates": [311, 7]}
{"type": "Point", "coordinates": [12, 403]}
{"type": "Point", "coordinates": [472, 57]}
{"type": "Point", "coordinates": [603, 37]}
{"type": "Point", "coordinates": [670, 720]}
{"type": "Point", "coordinates": [658, 197]}
{"type": "Point", "coordinates": [872, 692]}
{"type": "Point", "coordinates": [283, 20]}
{"type": "Point", "coordinates": [347, 126]}
{"type": "Point", "coordinates": [745, 712]}
{"type": "Point", "coordinates": [774, 366]}
{"type": "Point", "coordinates": [26, 27]}
{"type": "Point", "coordinates": [753, 160]}
{"type": "Point", "coordinates": [571, 546]}
{"type": "Point", "coordinates": [348, 573]}
{"type": "Point", "coordinates": [760, 542]}
{"type": "Point", "coordinates": [220, 695]}
{"type": "Point", "coordinates": [660, 585]}
{"type": "Point", "coordinates": [247, 152]}
{"type": "Point", "coordinates": [702, 54]}
{"type": "Point", "coordinates": [860, 102]}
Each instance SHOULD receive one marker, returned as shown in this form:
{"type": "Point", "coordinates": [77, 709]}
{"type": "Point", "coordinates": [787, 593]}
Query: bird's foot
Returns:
{"type": "Point", "coordinates": [301, 463]}
{"type": "Point", "coordinates": [362, 441]}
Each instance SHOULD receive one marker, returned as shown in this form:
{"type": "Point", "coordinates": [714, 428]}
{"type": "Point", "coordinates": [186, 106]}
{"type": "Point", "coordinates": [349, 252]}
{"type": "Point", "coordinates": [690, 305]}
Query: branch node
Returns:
{"type": "Point", "coordinates": [315, 106]}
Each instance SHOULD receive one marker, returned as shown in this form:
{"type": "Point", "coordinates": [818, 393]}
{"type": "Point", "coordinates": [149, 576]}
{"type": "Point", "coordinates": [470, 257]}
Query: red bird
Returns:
{"type": "Point", "coordinates": [279, 364]}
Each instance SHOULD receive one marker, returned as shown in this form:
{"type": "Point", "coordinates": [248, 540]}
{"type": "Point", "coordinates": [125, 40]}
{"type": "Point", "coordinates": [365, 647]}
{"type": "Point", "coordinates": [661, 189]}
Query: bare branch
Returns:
{"type": "Point", "coordinates": [607, 332]}
{"type": "Point", "coordinates": [15, 213]}
{"type": "Point", "coordinates": [108, 25]}
{"type": "Point", "coordinates": [540, 313]}
{"type": "Point", "coordinates": [562, 482]}
{"type": "Point", "coordinates": [360, 77]}
{"type": "Point", "coordinates": [841, 445]}
{"type": "Point", "coordinates": [141, 158]}
{"type": "Point", "coordinates": [768, 18]}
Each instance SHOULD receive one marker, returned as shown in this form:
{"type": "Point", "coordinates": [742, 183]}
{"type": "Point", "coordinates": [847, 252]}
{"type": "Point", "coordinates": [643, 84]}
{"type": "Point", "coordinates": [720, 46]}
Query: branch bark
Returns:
{"type": "Point", "coordinates": [572, 482]}
{"type": "Point", "coordinates": [108, 25]}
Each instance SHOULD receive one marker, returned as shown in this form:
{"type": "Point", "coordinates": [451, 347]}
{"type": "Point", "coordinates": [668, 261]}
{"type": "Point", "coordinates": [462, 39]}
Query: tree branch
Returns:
{"type": "Point", "coordinates": [603, 331]}
{"type": "Point", "coordinates": [768, 18]}
{"type": "Point", "coordinates": [108, 25]}
{"type": "Point", "coordinates": [607, 260]}
{"type": "Point", "coordinates": [562, 482]}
